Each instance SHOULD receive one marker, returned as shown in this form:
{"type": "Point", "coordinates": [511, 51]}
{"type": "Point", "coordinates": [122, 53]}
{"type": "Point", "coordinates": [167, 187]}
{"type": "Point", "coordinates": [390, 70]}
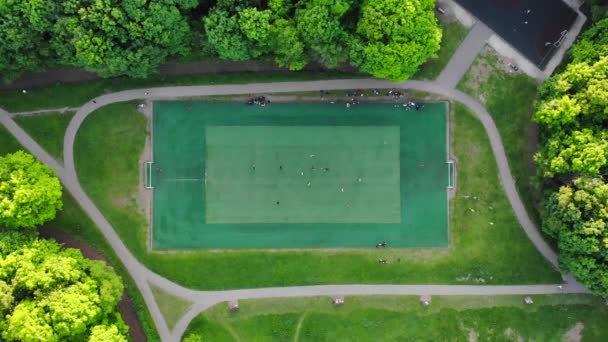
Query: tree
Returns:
{"type": "Point", "coordinates": [572, 113]}
{"type": "Point", "coordinates": [598, 9]}
{"type": "Point", "coordinates": [395, 37]}
{"type": "Point", "coordinates": [30, 193]}
{"type": "Point", "coordinates": [255, 25]}
{"type": "Point", "coordinates": [225, 36]}
{"type": "Point", "coordinates": [578, 96]}
{"type": "Point", "coordinates": [106, 333]}
{"type": "Point", "coordinates": [281, 8]}
{"type": "Point", "coordinates": [129, 37]}
{"type": "Point", "coordinates": [592, 44]}
{"type": "Point", "coordinates": [11, 239]}
{"type": "Point", "coordinates": [24, 25]}
{"type": "Point", "coordinates": [576, 216]}
{"type": "Point", "coordinates": [581, 152]}
{"type": "Point", "coordinates": [235, 6]}
{"type": "Point", "coordinates": [51, 294]}
{"type": "Point", "coordinates": [286, 45]}
{"type": "Point", "coordinates": [318, 23]}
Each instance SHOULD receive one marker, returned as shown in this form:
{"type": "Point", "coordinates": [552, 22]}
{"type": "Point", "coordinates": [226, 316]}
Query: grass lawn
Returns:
{"type": "Point", "coordinates": [388, 318]}
{"type": "Point", "coordinates": [487, 244]}
{"type": "Point", "coordinates": [48, 130]}
{"type": "Point", "coordinates": [453, 34]}
{"type": "Point", "coordinates": [509, 98]}
{"type": "Point", "coordinates": [8, 144]}
{"type": "Point", "coordinates": [75, 94]}
{"type": "Point", "coordinates": [172, 308]}
{"type": "Point", "coordinates": [75, 222]}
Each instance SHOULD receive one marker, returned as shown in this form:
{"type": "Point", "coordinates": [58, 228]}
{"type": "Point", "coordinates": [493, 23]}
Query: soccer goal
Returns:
{"type": "Point", "coordinates": [450, 174]}
{"type": "Point", "coordinates": [148, 177]}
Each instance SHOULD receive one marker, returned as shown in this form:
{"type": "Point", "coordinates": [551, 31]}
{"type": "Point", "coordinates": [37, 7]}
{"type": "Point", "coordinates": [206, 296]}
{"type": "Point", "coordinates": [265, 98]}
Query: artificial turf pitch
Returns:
{"type": "Point", "coordinates": [229, 175]}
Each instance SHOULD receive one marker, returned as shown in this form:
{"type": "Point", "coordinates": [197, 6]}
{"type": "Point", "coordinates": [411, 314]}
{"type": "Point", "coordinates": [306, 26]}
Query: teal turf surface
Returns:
{"type": "Point", "coordinates": [343, 177]}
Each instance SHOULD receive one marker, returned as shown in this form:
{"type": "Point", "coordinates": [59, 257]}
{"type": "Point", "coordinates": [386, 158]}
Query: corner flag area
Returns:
{"type": "Point", "coordinates": [298, 175]}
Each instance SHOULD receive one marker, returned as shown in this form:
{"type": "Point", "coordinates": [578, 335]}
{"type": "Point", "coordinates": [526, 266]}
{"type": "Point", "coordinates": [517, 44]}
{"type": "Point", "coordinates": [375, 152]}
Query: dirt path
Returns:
{"type": "Point", "coordinates": [53, 77]}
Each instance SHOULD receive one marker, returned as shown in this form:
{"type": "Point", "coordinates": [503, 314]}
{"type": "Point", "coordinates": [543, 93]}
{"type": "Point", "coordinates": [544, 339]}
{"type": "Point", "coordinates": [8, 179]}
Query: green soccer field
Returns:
{"type": "Point", "coordinates": [300, 174]}
{"type": "Point", "coordinates": [229, 175]}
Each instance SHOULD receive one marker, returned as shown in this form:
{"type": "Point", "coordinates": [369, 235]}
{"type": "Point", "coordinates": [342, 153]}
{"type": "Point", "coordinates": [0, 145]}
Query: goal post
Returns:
{"type": "Point", "coordinates": [450, 174]}
{"type": "Point", "coordinates": [148, 175]}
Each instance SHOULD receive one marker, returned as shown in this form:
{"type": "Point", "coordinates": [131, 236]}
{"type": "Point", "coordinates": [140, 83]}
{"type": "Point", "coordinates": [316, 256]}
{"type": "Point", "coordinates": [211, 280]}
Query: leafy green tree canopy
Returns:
{"type": "Point", "coordinates": [51, 294]}
{"type": "Point", "coordinates": [318, 24]}
{"type": "Point", "coordinates": [30, 193]}
{"type": "Point", "coordinates": [577, 96]}
{"type": "Point", "coordinates": [286, 45]}
{"type": "Point", "coordinates": [395, 37]}
{"type": "Point", "coordinates": [592, 44]}
{"type": "Point", "coordinates": [572, 110]}
{"type": "Point", "coordinates": [127, 37]}
{"type": "Point", "coordinates": [225, 36]}
{"type": "Point", "coordinates": [23, 27]}
{"type": "Point", "coordinates": [106, 333]}
{"type": "Point", "coordinates": [281, 8]}
{"type": "Point", "coordinates": [255, 25]}
{"type": "Point", "coordinates": [581, 152]}
{"type": "Point", "coordinates": [576, 216]}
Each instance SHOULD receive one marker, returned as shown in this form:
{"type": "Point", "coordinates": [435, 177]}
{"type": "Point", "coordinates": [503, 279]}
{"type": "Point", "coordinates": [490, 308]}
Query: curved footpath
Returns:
{"type": "Point", "coordinates": [205, 299]}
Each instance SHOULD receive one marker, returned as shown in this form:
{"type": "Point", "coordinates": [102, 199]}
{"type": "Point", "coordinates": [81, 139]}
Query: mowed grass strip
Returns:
{"type": "Point", "coordinates": [389, 318]}
{"type": "Point", "coordinates": [487, 244]}
{"type": "Point", "coordinates": [8, 143]}
{"type": "Point", "coordinates": [47, 129]}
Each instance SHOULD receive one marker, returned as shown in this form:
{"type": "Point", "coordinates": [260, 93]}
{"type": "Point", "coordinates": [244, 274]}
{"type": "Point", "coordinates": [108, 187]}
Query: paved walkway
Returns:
{"type": "Point", "coordinates": [465, 55]}
{"type": "Point", "coordinates": [202, 300]}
